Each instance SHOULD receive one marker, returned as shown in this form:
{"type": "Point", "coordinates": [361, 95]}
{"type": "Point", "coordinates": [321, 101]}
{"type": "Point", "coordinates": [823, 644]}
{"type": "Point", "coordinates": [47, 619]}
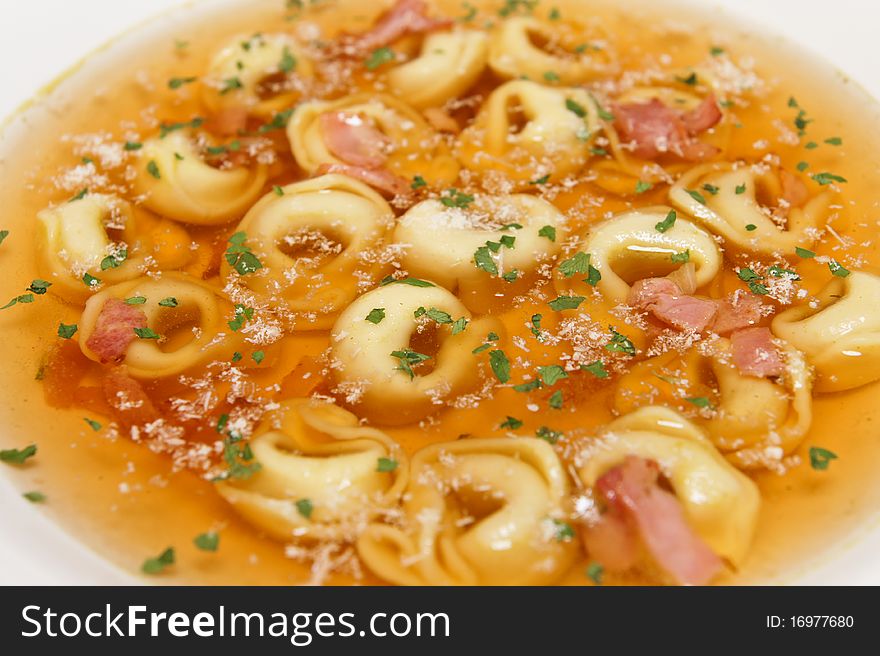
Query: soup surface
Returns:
{"type": "Point", "coordinates": [437, 293]}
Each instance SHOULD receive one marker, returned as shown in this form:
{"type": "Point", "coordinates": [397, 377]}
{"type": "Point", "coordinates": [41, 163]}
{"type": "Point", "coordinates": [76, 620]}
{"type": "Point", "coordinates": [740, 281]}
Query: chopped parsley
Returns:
{"type": "Point", "coordinates": [548, 434]}
{"type": "Point", "coordinates": [578, 263]}
{"type": "Point", "coordinates": [35, 496]}
{"type": "Point", "coordinates": [379, 57]}
{"type": "Point", "coordinates": [666, 223]}
{"type": "Point", "coordinates": [158, 564]}
{"type": "Point", "coordinates": [751, 227]}
{"type": "Point", "coordinates": [305, 507]}
{"type": "Point", "coordinates": [527, 387]}
{"type": "Point", "coordinates": [483, 260]}
{"type": "Point", "coordinates": [456, 198]}
{"type": "Point", "coordinates": [556, 400]}
{"type": "Point", "coordinates": [177, 82]}
{"type": "Point", "coordinates": [740, 189]}
{"type": "Point", "coordinates": [418, 182]}
{"type": "Point", "coordinates": [820, 458]}
{"type": "Point", "coordinates": [135, 300]}
{"type": "Point", "coordinates": [827, 178]}
{"type": "Point", "coordinates": [642, 186]}
{"type": "Point", "coordinates": [386, 465]}
{"type": "Point", "coordinates": [697, 196]}
{"type": "Point", "coordinates": [699, 401]}
{"type": "Point", "coordinates": [837, 269]}
{"type": "Point", "coordinates": [18, 456]}
{"type": "Point", "coordinates": [375, 316]}
{"type": "Point", "coordinates": [804, 253]}
{"type": "Point", "coordinates": [595, 571]}
{"type": "Point", "coordinates": [408, 358]}
{"type": "Point", "coordinates": [146, 333]}
{"type": "Point", "coordinates": [167, 128]}
{"type": "Point", "coordinates": [512, 423]}
{"type": "Point", "coordinates": [566, 303]}
{"type": "Point", "coordinates": [549, 232]}
{"type": "Point", "coordinates": [133, 145]}
{"type": "Point", "coordinates": [288, 61]}
{"type": "Point", "coordinates": [500, 365]}
{"type": "Point", "coordinates": [552, 374]}
{"type": "Point", "coordinates": [94, 425]}
{"type": "Point", "coordinates": [575, 107]}
{"type": "Point", "coordinates": [564, 531]}
{"type": "Point", "coordinates": [681, 258]}
{"type": "Point", "coordinates": [208, 541]}
{"type": "Point", "coordinates": [278, 122]}
{"type": "Point", "coordinates": [258, 356]}
{"type": "Point", "coordinates": [620, 343]}
{"type": "Point", "coordinates": [596, 368]}
{"type": "Point", "coordinates": [413, 282]}
{"type": "Point", "coordinates": [114, 261]}
{"type": "Point", "coordinates": [168, 301]}
{"type": "Point", "coordinates": [240, 257]}
{"type": "Point", "coordinates": [241, 316]}
{"type": "Point", "coordinates": [66, 331]}
{"type": "Point", "coordinates": [24, 298]}
{"type": "Point", "coordinates": [544, 179]}
{"type": "Point", "coordinates": [230, 84]}
{"type": "Point", "coordinates": [153, 169]}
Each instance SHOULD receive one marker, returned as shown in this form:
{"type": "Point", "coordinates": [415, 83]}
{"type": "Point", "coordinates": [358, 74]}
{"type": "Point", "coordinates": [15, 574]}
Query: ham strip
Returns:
{"type": "Point", "coordinates": [114, 330]}
{"type": "Point", "coordinates": [353, 140]}
{"type": "Point", "coordinates": [665, 300]}
{"type": "Point", "coordinates": [380, 179]}
{"type": "Point", "coordinates": [612, 542]}
{"type": "Point", "coordinates": [739, 310]}
{"type": "Point", "coordinates": [655, 129]}
{"type": "Point", "coordinates": [754, 353]}
{"type": "Point", "coordinates": [405, 17]}
{"type": "Point", "coordinates": [632, 492]}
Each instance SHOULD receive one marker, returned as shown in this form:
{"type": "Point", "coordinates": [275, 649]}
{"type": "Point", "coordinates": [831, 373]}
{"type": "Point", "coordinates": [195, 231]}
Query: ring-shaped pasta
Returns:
{"type": "Point", "coordinates": [841, 335]}
{"type": "Point", "coordinates": [525, 47]}
{"type": "Point", "coordinates": [735, 206]}
{"type": "Point", "coordinates": [720, 502]}
{"type": "Point", "coordinates": [316, 453]}
{"type": "Point", "coordinates": [414, 147]}
{"type": "Point", "coordinates": [448, 64]}
{"type": "Point", "coordinates": [263, 73]}
{"type": "Point", "coordinates": [526, 131]}
{"type": "Point", "coordinates": [75, 239]}
{"type": "Point", "coordinates": [391, 393]}
{"type": "Point", "coordinates": [629, 247]}
{"type": "Point", "coordinates": [478, 512]}
{"type": "Point", "coordinates": [175, 182]}
{"type": "Point", "coordinates": [189, 330]}
{"type": "Point", "coordinates": [335, 214]}
{"type": "Point", "coordinates": [754, 421]}
{"type": "Point", "coordinates": [441, 242]}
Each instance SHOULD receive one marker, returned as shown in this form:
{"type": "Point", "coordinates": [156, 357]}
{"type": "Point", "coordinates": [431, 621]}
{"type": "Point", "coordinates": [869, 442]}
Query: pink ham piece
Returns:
{"type": "Point", "coordinates": [754, 353]}
{"type": "Point", "coordinates": [353, 140]}
{"type": "Point", "coordinates": [655, 129]}
{"type": "Point", "coordinates": [739, 310]}
{"type": "Point", "coordinates": [632, 492]}
{"type": "Point", "coordinates": [114, 330]}
{"type": "Point", "coordinates": [405, 17]}
{"type": "Point", "coordinates": [612, 542]}
{"type": "Point", "coordinates": [381, 179]}
{"type": "Point", "coordinates": [665, 300]}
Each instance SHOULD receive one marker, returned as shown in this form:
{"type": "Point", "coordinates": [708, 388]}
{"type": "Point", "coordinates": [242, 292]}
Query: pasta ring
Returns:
{"type": "Point", "coordinates": [389, 394]}
{"type": "Point", "coordinates": [511, 489]}
{"type": "Point", "coordinates": [175, 182]}
{"type": "Point", "coordinates": [317, 453]}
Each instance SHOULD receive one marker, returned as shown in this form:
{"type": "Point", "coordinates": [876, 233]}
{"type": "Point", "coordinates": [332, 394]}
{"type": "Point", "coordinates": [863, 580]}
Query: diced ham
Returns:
{"type": "Point", "coordinates": [441, 121]}
{"type": "Point", "coordinates": [229, 121]}
{"type": "Point", "coordinates": [684, 312]}
{"type": "Point", "coordinates": [754, 353]}
{"type": "Point", "coordinates": [632, 491]}
{"type": "Point", "coordinates": [129, 401]}
{"type": "Point", "coordinates": [405, 17]}
{"type": "Point", "coordinates": [737, 311]}
{"type": "Point", "coordinates": [644, 293]}
{"type": "Point", "coordinates": [665, 300]}
{"type": "Point", "coordinates": [114, 330]}
{"type": "Point", "coordinates": [381, 179]}
{"type": "Point", "coordinates": [613, 542]}
{"type": "Point", "coordinates": [655, 129]}
{"type": "Point", "coordinates": [704, 116]}
{"type": "Point", "coordinates": [353, 140]}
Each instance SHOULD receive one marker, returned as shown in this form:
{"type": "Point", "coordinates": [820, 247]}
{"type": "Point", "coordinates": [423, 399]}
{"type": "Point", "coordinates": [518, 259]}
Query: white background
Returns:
{"type": "Point", "coordinates": [39, 39]}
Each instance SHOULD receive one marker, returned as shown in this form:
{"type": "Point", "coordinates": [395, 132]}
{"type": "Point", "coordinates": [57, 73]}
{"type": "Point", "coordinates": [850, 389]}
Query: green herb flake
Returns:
{"type": "Point", "coordinates": [135, 300]}
{"type": "Point", "coordinates": [549, 232]}
{"type": "Point", "coordinates": [240, 257]}
{"type": "Point", "coordinates": [500, 365]}
{"type": "Point", "coordinates": [379, 57]}
{"type": "Point", "coordinates": [697, 196]}
{"type": "Point", "coordinates": [375, 316]}
{"type": "Point", "coordinates": [556, 400]}
{"type": "Point", "coordinates": [820, 458]}
{"type": "Point", "coordinates": [666, 223]}
{"type": "Point", "coordinates": [681, 258]}
{"type": "Point", "coordinates": [564, 531]}
{"type": "Point", "coordinates": [305, 508]}
{"type": "Point", "coordinates": [418, 182]}
{"type": "Point", "coordinates": [548, 434]}
{"type": "Point", "coordinates": [566, 303]}
{"type": "Point", "coordinates": [596, 368]}
{"type": "Point", "coordinates": [18, 456]}
{"type": "Point", "coordinates": [146, 333]}
{"type": "Point", "coordinates": [751, 227]}
{"type": "Point", "coordinates": [177, 82]}
{"type": "Point", "coordinates": [94, 425]}
{"type": "Point", "coordinates": [511, 422]}
{"type": "Point", "coordinates": [114, 261]}
{"type": "Point", "coordinates": [66, 331]}
{"type": "Point", "coordinates": [740, 189]}
{"type": "Point", "coordinates": [132, 145]}
{"type": "Point", "coordinates": [386, 465]}
{"type": "Point", "coordinates": [804, 253]}
{"type": "Point", "coordinates": [578, 263]}
{"type": "Point", "coordinates": [408, 358]}
{"type": "Point", "coordinates": [552, 374]}
{"type": "Point", "coordinates": [642, 186]}
{"type": "Point", "coordinates": [837, 269]}
{"type": "Point", "coordinates": [153, 169]}
{"type": "Point", "coordinates": [209, 541]}
{"type": "Point", "coordinates": [620, 343]}
{"type": "Point", "coordinates": [827, 178]}
{"type": "Point", "coordinates": [595, 572]}
{"type": "Point", "coordinates": [158, 564]}
{"type": "Point", "coordinates": [34, 496]}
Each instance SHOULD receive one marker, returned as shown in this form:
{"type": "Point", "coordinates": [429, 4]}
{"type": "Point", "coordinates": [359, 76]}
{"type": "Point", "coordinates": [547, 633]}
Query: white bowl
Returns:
{"type": "Point", "coordinates": [38, 43]}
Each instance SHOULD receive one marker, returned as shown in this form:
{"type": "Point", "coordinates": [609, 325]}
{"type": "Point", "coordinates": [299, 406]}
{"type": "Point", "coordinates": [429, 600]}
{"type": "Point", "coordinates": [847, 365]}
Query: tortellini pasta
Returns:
{"type": "Point", "coordinates": [448, 65]}
{"type": "Point", "coordinates": [528, 131]}
{"type": "Point", "coordinates": [412, 147]}
{"type": "Point", "coordinates": [175, 182]}
{"type": "Point", "coordinates": [376, 357]}
{"type": "Point", "coordinates": [188, 316]}
{"type": "Point", "coordinates": [317, 454]}
{"type": "Point", "coordinates": [630, 247]}
{"type": "Point", "coordinates": [754, 421]}
{"type": "Point", "coordinates": [441, 242]}
{"type": "Point", "coordinates": [96, 235]}
{"type": "Point", "coordinates": [841, 334]}
{"type": "Point", "coordinates": [315, 242]}
{"type": "Point", "coordinates": [720, 502]}
{"type": "Point", "coordinates": [525, 47]}
{"type": "Point", "coordinates": [477, 512]}
{"type": "Point", "coordinates": [263, 73]}
{"type": "Point", "coordinates": [735, 205]}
